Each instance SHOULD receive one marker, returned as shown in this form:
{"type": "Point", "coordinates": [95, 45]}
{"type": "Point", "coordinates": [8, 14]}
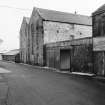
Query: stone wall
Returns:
{"type": "Point", "coordinates": [56, 31]}
{"type": "Point", "coordinates": [24, 42]}
{"type": "Point", "coordinates": [36, 39]}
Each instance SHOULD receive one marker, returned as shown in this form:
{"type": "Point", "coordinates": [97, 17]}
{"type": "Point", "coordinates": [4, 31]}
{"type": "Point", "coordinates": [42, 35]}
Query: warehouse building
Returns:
{"type": "Point", "coordinates": [49, 27]}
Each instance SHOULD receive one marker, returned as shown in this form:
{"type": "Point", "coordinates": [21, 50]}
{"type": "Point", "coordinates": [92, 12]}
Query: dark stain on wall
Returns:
{"type": "Point", "coordinates": [81, 58]}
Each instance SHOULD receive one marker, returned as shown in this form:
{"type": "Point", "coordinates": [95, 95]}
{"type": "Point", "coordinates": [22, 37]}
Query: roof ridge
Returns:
{"type": "Point", "coordinates": [66, 17]}
{"type": "Point", "coordinates": [61, 12]}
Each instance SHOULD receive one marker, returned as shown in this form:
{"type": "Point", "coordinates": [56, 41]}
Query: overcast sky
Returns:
{"type": "Point", "coordinates": [11, 16]}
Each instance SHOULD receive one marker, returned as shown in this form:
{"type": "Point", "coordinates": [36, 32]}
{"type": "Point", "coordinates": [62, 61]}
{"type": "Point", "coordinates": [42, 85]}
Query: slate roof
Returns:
{"type": "Point", "coordinates": [64, 17]}
{"type": "Point", "coordinates": [12, 52]}
{"type": "Point", "coordinates": [99, 10]}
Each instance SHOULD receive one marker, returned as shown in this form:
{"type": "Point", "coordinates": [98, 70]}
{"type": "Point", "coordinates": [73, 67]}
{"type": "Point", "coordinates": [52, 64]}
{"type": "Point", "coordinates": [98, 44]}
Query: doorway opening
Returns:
{"type": "Point", "coordinates": [65, 59]}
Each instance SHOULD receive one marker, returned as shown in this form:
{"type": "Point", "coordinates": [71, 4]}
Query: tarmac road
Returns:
{"type": "Point", "coordinates": [28, 85]}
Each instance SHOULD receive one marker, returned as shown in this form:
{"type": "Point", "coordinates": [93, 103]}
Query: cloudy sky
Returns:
{"type": "Point", "coordinates": [12, 12]}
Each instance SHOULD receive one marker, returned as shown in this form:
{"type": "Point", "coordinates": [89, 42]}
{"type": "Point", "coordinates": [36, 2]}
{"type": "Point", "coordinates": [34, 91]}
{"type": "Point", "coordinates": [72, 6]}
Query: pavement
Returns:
{"type": "Point", "coordinates": [30, 85]}
{"type": "Point", "coordinates": [3, 87]}
{"type": "Point", "coordinates": [76, 74]}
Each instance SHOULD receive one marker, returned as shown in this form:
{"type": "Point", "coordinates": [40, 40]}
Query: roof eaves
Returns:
{"type": "Point", "coordinates": [69, 22]}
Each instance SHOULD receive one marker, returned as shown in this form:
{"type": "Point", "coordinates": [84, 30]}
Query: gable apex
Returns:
{"type": "Point", "coordinates": [101, 9]}
{"type": "Point", "coordinates": [57, 16]}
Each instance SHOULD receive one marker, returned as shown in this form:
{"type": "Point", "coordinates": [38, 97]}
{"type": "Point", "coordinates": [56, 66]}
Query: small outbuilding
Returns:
{"type": "Point", "coordinates": [13, 55]}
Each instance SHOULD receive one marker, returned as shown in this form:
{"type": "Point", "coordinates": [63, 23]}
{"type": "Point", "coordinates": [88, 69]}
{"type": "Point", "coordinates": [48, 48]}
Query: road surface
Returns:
{"type": "Point", "coordinates": [28, 85]}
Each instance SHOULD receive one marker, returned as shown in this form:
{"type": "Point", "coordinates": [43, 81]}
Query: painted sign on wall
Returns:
{"type": "Point", "coordinates": [99, 44]}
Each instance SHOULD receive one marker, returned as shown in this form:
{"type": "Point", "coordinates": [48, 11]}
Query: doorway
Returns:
{"type": "Point", "coordinates": [65, 59]}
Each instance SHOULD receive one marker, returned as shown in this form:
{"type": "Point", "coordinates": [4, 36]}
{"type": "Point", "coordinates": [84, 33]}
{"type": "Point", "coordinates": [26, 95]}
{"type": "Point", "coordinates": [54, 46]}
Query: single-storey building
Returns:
{"type": "Point", "coordinates": [13, 55]}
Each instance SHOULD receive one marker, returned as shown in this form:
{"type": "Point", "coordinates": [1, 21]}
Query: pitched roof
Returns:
{"type": "Point", "coordinates": [12, 52]}
{"type": "Point", "coordinates": [99, 10]}
{"type": "Point", "coordinates": [64, 17]}
{"type": "Point", "coordinates": [27, 19]}
{"type": "Point", "coordinates": [24, 21]}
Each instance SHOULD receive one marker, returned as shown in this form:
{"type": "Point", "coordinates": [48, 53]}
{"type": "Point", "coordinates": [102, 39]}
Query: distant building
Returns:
{"type": "Point", "coordinates": [13, 55]}
{"type": "Point", "coordinates": [48, 26]}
